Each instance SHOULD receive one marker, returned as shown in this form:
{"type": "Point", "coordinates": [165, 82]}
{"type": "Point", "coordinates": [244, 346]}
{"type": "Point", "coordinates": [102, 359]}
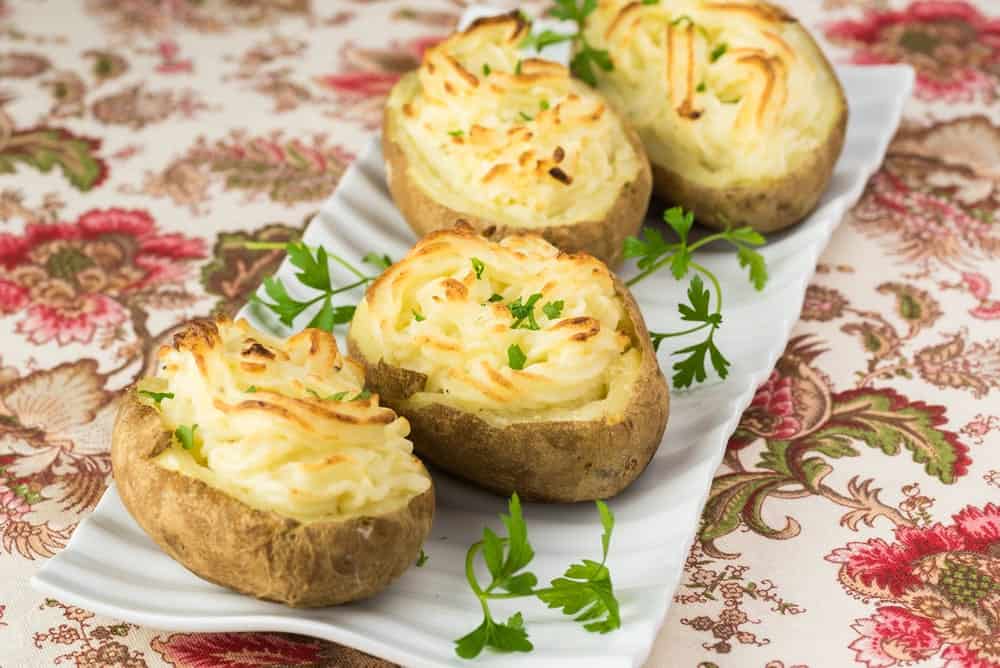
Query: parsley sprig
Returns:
{"type": "Point", "coordinates": [586, 57]}
{"type": "Point", "coordinates": [313, 263]}
{"type": "Point", "coordinates": [584, 590]}
{"type": "Point", "coordinates": [654, 253]}
{"type": "Point", "coordinates": [524, 312]}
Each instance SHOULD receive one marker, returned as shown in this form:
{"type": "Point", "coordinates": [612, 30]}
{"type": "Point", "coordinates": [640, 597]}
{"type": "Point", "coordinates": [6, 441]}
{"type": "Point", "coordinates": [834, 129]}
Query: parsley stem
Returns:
{"type": "Point", "coordinates": [653, 268]}
{"type": "Point", "coordinates": [715, 282]}
{"type": "Point", "coordinates": [282, 245]}
{"type": "Point", "coordinates": [470, 571]}
{"type": "Point", "coordinates": [350, 267]}
{"type": "Point", "coordinates": [667, 335]}
{"type": "Point", "coordinates": [261, 245]}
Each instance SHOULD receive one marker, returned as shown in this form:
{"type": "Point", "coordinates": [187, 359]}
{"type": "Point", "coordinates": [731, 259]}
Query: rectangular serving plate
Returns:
{"type": "Point", "coordinates": [111, 567]}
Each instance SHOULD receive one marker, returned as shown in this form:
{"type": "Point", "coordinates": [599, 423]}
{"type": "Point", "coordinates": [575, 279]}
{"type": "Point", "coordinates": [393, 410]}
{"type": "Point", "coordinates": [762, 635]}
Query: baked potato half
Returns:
{"type": "Point", "coordinates": [511, 146]}
{"type": "Point", "coordinates": [739, 111]}
{"type": "Point", "coordinates": [263, 465]}
{"type": "Point", "coordinates": [519, 367]}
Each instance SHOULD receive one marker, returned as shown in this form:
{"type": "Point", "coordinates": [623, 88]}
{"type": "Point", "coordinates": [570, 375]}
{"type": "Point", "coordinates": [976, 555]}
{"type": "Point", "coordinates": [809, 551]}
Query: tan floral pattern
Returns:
{"type": "Point", "coordinates": [854, 520]}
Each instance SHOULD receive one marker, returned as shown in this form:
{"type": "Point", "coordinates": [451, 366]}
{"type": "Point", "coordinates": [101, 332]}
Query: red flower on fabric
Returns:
{"type": "Point", "coordinates": [243, 650]}
{"type": "Point", "coordinates": [892, 635]}
{"type": "Point", "coordinates": [953, 46]}
{"type": "Point", "coordinates": [72, 279]}
{"type": "Point", "coordinates": [890, 566]}
{"type": "Point", "coordinates": [945, 580]}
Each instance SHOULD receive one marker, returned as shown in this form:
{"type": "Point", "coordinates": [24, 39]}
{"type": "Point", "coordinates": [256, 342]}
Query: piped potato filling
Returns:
{"type": "Point", "coordinates": [722, 91]}
{"type": "Point", "coordinates": [516, 141]}
{"type": "Point", "coordinates": [514, 330]}
{"type": "Point", "coordinates": [281, 425]}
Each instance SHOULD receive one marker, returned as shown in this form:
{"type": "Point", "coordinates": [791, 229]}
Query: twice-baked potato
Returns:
{"type": "Point", "coordinates": [740, 112]}
{"type": "Point", "coordinates": [519, 367]}
{"type": "Point", "coordinates": [263, 465]}
{"type": "Point", "coordinates": [512, 146]}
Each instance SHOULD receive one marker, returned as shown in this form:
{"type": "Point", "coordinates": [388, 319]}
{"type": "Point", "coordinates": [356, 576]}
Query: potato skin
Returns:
{"type": "Point", "coordinates": [767, 205]}
{"type": "Point", "coordinates": [558, 461]}
{"type": "Point", "coordinates": [601, 238]}
{"type": "Point", "coordinates": [260, 553]}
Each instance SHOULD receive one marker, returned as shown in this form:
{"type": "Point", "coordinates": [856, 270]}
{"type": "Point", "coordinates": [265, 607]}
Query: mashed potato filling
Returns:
{"type": "Point", "coordinates": [449, 310]}
{"type": "Point", "coordinates": [514, 141]}
{"type": "Point", "coordinates": [724, 92]}
{"type": "Point", "coordinates": [282, 425]}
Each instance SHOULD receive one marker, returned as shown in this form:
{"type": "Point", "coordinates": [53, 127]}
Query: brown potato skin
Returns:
{"type": "Point", "coordinates": [556, 462]}
{"type": "Point", "coordinates": [260, 553]}
{"type": "Point", "coordinates": [601, 238]}
{"type": "Point", "coordinates": [767, 205]}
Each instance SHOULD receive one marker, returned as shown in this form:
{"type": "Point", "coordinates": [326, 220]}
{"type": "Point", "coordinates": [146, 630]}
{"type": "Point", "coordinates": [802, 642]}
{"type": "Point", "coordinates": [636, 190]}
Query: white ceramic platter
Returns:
{"type": "Point", "coordinates": [111, 567]}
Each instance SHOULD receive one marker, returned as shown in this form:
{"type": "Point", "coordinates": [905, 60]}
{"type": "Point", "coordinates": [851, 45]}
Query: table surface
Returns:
{"type": "Point", "coordinates": [856, 519]}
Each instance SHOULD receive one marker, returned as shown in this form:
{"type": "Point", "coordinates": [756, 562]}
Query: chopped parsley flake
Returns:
{"type": "Point", "coordinates": [516, 357]}
{"type": "Point", "coordinates": [553, 309]}
{"type": "Point", "coordinates": [157, 396]}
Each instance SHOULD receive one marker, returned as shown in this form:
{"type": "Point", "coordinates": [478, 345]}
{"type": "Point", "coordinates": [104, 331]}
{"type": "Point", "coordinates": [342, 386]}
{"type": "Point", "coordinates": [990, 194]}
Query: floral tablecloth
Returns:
{"type": "Point", "coordinates": [856, 519]}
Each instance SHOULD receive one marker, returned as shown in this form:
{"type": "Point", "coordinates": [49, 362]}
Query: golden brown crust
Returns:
{"type": "Point", "coordinates": [553, 461]}
{"type": "Point", "coordinates": [257, 552]}
{"type": "Point", "coordinates": [601, 238]}
{"type": "Point", "coordinates": [766, 205]}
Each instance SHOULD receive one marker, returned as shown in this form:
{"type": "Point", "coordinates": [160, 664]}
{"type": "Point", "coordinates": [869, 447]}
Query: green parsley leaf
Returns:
{"type": "Point", "coordinates": [586, 589]}
{"type": "Point", "coordinates": [583, 62]}
{"type": "Point", "coordinates": [568, 10]}
{"type": "Point", "coordinates": [286, 308]}
{"type": "Point", "coordinates": [486, 69]}
{"type": "Point", "coordinates": [517, 68]}
{"type": "Point", "coordinates": [525, 117]}
{"type": "Point", "coordinates": [339, 396]}
{"type": "Point", "coordinates": [516, 357]}
{"type": "Point", "coordinates": [315, 271]}
{"type": "Point", "coordinates": [553, 309]}
{"type": "Point", "coordinates": [456, 133]}
{"type": "Point", "coordinates": [324, 318]}
{"type": "Point", "coordinates": [679, 221]}
{"type": "Point", "coordinates": [251, 389]}
{"type": "Point", "coordinates": [697, 309]}
{"type": "Point", "coordinates": [608, 522]}
{"type": "Point", "coordinates": [417, 315]}
{"type": "Point", "coordinates": [382, 262]}
{"type": "Point", "coordinates": [681, 19]}
{"type": "Point", "coordinates": [755, 261]}
{"type": "Point", "coordinates": [519, 550]}
{"type": "Point", "coordinates": [157, 396]}
{"type": "Point", "coordinates": [718, 52]}
{"type": "Point", "coordinates": [185, 435]}
{"type": "Point", "coordinates": [524, 314]}
{"type": "Point", "coordinates": [543, 105]}
{"type": "Point", "coordinates": [650, 2]}
{"type": "Point", "coordinates": [509, 637]}
{"type": "Point", "coordinates": [692, 367]}
{"type": "Point", "coordinates": [314, 393]}
{"type": "Point", "coordinates": [649, 249]}
{"type": "Point", "coordinates": [541, 40]}
{"type": "Point", "coordinates": [701, 88]}
{"type": "Point", "coordinates": [363, 394]}
{"type": "Point", "coordinates": [495, 298]}
{"type": "Point", "coordinates": [746, 235]}
{"type": "Point", "coordinates": [478, 267]}
{"type": "Point", "coordinates": [422, 558]}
